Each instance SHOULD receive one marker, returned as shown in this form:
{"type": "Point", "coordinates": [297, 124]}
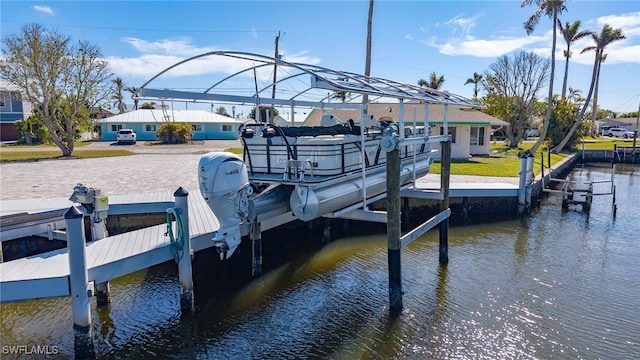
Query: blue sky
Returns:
{"type": "Point", "coordinates": [410, 38]}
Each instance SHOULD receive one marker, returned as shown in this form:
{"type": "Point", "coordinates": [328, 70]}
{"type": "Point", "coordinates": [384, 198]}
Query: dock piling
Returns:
{"type": "Point", "coordinates": [256, 239]}
{"type": "Point", "coordinates": [78, 281]}
{"type": "Point", "coordinates": [522, 189]}
{"type": "Point", "coordinates": [393, 230]}
{"type": "Point", "coordinates": [445, 176]}
{"type": "Point", "coordinates": [185, 273]}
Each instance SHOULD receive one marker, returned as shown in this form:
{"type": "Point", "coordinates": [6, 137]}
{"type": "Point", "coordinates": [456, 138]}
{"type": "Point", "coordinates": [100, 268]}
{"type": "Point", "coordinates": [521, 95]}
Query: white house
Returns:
{"type": "Point", "coordinates": [145, 122]}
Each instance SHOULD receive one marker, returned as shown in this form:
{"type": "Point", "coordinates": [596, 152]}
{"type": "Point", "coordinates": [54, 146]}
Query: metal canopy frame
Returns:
{"type": "Point", "coordinates": [299, 85]}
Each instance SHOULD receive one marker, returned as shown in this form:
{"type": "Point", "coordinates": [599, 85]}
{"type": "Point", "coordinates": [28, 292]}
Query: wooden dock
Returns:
{"type": "Point", "coordinates": [47, 275]}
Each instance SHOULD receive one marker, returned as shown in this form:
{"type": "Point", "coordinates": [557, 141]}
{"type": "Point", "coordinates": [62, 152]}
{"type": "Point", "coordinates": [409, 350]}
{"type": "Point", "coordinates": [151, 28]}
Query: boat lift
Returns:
{"type": "Point", "coordinates": [311, 86]}
{"type": "Point", "coordinates": [579, 193]}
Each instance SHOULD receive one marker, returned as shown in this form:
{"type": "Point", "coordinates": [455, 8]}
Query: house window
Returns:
{"type": "Point", "coordinates": [477, 136]}
{"type": "Point", "coordinates": [5, 102]}
{"type": "Point", "coordinates": [452, 133]}
{"type": "Point", "coordinates": [227, 127]}
{"type": "Point", "coordinates": [196, 127]}
{"type": "Point", "coordinates": [150, 128]}
{"type": "Point", "coordinates": [116, 127]}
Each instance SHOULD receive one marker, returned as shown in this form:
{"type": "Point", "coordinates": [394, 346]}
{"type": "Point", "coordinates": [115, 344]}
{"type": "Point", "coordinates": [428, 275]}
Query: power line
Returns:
{"type": "Point", "coordinates": [144, 29]}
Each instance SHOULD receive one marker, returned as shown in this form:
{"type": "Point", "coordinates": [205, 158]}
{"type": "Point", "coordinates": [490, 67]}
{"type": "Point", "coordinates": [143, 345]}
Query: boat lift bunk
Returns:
{"type": "Point", "coordinates": [305, 172]}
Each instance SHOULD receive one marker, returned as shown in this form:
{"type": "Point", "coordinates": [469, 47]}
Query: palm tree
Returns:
{"type": "Point", "coordinates": [571, 34]}
{"type": "Point", "coordinates": [550, 8]}
{"type": "Point", "coordinates": [133, 90]}
{"type": "Point", "coordinates": [119, 99]}
{"type": "Point", "coordinates": [435, 81]}
{"type": "Point", "coordinates": [575, 95]}
{"type": "Point", "coordinates": [475, 80]}
{"type": "Point", "coordinates": [606, 37]}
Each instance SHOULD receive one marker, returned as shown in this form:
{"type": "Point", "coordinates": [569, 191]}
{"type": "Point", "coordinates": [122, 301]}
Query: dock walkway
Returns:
{"type": "Point", "coordinates": [47, 275]}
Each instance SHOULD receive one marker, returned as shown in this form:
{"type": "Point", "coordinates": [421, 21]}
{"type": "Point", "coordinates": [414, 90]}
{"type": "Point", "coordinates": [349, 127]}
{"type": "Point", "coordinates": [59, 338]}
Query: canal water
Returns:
{"type": "Point", "coordinates": [553, 285]}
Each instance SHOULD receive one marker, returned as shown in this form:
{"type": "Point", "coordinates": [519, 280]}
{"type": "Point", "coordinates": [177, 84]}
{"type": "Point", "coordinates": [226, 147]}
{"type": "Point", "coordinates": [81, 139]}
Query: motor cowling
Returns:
{"type": "Point", "coordinates": [224, 184]}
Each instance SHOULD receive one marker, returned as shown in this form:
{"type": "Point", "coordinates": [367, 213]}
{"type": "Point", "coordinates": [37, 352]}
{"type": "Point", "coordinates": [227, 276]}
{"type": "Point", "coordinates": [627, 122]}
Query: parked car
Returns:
{"type": "Point", "coordinates": [604, 130]}
{"type": "Point", "coordinates": [620, 132]}
{"type": "Point", "coordinates": [126, 136]}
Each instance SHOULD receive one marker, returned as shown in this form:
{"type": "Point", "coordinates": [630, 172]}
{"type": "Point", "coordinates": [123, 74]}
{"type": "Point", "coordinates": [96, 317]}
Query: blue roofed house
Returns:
{"type": "Point", "coordinates": [12, 109]}
{"type": "Point", "coordinates": [145, 122]}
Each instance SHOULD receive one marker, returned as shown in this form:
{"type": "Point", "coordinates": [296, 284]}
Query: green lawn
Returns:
{"type": "Point", "coordinates": [6, 156]}
{"type": "Point", "coordinates": [605, 143]}
{"type": "Point", "coordinates": [502, 161]}
{"type": "Point", "coordinates": [25, 146]}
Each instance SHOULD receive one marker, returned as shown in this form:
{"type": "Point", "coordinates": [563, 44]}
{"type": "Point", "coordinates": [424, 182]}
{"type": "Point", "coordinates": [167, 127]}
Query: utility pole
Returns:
{"type": "Point", "coordinates": [275, 68]}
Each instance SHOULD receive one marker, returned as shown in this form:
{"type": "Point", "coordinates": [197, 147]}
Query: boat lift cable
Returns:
{"type": "Point", "coordinates": [177, 241]}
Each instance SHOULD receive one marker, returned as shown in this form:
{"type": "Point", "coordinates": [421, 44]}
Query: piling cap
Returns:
{"type": "Point", "coordinates": [73, 213]}
{"type": "Point", "coordinates": [181, 192]}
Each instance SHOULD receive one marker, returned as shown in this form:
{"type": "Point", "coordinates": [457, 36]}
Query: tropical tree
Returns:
{"type": "Point", "coordinates": [575, 95]}
{"type": "Point", "coordinates": [512, 85]}
{"type": "Point", "coordinates": [571, 33]}
{"type": "Point", "coordinates": [563, 116]}
{"type": "Point", "coordinates": [550, 8]}
{"type": "Point", "coordinates": [606, 37]}
{"type": "Point", "coordinates": [119, 99]}
{"type": "Point", "coordinates": [435, 81]}
{"type": "Point", "coordinates": [133, 90]}
{"type": "Point", "coordinates": [62, 80]}
{"type": "Point", "coordinates": [33, 130]}
{"type": "Point", "coordinates": [222, 111]}
{"type": "Point", "coordinates": [475, 80]}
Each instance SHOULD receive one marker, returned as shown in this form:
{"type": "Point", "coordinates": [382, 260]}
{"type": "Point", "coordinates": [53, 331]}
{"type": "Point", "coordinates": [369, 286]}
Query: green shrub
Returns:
{"type": "Point", "coordinates": [174, 133]}
{"type": "Point", "coordinates": [32, 130]}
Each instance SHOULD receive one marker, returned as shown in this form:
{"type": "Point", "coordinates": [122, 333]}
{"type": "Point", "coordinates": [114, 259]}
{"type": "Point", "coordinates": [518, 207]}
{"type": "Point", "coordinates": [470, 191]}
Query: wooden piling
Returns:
{"type": "Point", "coordinates": [393, 230]}
{"type": "Point", "coordinates": [256, 265]}
{"type": "Point", "coordinates": [184, 263]}
{"type": "Point", "coordinates": [522, 187]}
{"type": "Point", "coordinates": [78, 282]}
{"type": "Point", "coordinates": [103, 294]}
{"type": "Point", "coordinates": [445, 175]}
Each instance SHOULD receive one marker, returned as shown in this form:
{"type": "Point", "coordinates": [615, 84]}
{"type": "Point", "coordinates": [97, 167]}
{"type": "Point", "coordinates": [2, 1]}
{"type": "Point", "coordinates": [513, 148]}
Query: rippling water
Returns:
{"type": "Point", "coordinates": [557, 284]}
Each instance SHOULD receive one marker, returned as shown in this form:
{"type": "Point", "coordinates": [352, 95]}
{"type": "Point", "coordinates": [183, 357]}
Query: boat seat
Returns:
{"type": "Point", "coordinates": [368, 121]}
{"type": "Point", "coordinates": [328, 120]}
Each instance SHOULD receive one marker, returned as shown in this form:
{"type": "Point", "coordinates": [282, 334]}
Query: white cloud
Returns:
{"type": "Point", "coordinates": [43, 9]}
{"type": "Point", "coordinates": [157, 56]}
{"type": "Point", "coordinates": [462, 26]}
{"type": "Point", "coordinates": [302, 58]}
{"type": "Point", "coordinates": [178, 46]}
{"type": "Point", "coordinates": [484, 48]}
{"type": "Point", "coordinates": [623, 21]}
{"type": "Point", "coordinates": [409, 37]}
